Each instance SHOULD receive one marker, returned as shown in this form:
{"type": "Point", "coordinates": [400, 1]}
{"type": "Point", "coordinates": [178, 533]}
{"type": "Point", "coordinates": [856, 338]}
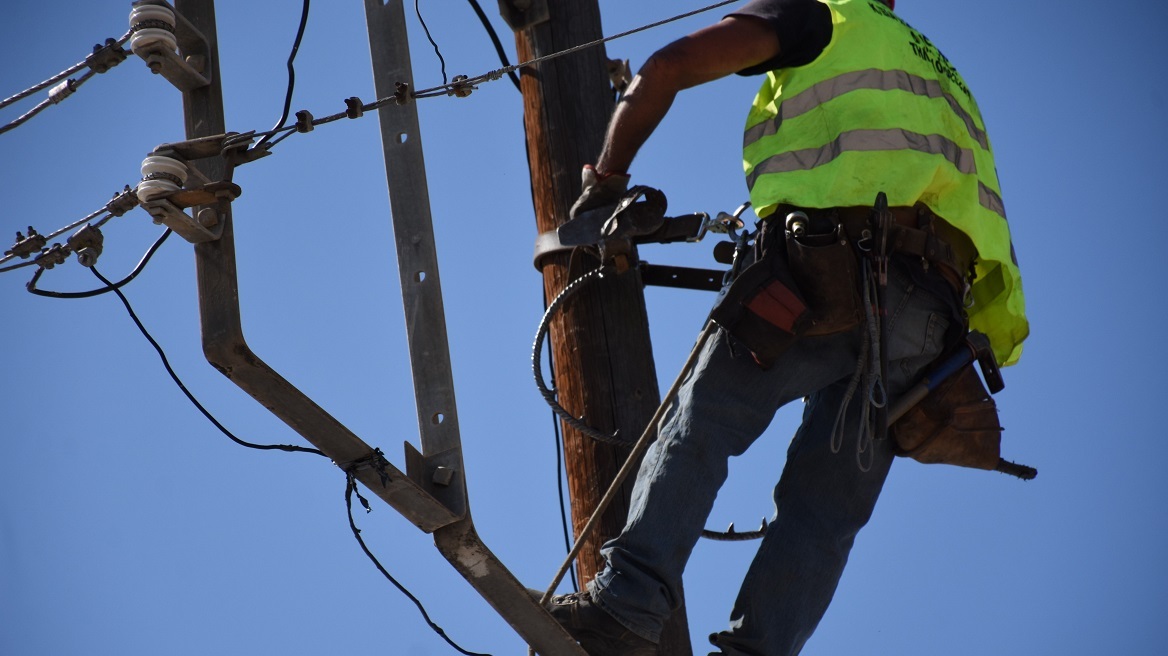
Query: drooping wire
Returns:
{"type": "Point", "coordinates": [181, 386]}
{"type": "Point", "coordinates": [494, 40]}
{"type": "Point", "coordinates": [350, 490]}
{"type": "Point", "coordinates": [31, 286]}
{"type": "Point", "coordinates": [291, 74]}
{"type": "Point", "coordinates": [437, 51]}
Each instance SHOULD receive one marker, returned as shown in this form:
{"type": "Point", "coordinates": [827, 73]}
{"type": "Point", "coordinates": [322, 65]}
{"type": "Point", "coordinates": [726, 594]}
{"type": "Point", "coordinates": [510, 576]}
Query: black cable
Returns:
{"type": "Point", "coordinates": [31, 286]}
{"type": "Point", "coordinates": [13, 267]}
{"type": "Point", "coordinates": [438, 52]}
{"type": "Point", "coordinates": [291, 73]}
{"type": "Point", "coordinates": [181, 386]}
{"type": "Point", "coordinates": [495, 40]}
{"type": "Point", "coordinates": [350, 489]}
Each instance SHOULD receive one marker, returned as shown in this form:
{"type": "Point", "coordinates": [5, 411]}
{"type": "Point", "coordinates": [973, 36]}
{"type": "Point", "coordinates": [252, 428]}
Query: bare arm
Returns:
{"type": "Point", "coordinates": [708, 54]}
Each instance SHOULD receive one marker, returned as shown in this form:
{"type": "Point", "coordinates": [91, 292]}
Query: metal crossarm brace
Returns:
{"type": "Point", "coordinates": [223, 341]}
{"type": "Point", "coordinates": [441, 455]}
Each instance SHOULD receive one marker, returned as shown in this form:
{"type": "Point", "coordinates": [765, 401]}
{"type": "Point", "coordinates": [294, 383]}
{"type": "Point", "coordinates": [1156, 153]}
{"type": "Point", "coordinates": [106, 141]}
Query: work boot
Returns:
{"type": "Point", "coordinates": [599, 633]}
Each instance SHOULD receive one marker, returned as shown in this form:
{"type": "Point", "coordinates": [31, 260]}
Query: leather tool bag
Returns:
{"type": "Point", "coordinates": [825, 268]}
{"type": "Point", "coordinates": [763, 308]}
{"type": "Point", "coordinates": [955, 424]}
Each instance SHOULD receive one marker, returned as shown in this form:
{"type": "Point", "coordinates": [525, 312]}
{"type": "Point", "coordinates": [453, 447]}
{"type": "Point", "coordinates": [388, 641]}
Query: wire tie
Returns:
{"type": "Point", "coordinates": [354, 108]}
{"type": "Point", "coordinates": [374, 460]}
{"type": "Point", "coordinates": [152, 24]}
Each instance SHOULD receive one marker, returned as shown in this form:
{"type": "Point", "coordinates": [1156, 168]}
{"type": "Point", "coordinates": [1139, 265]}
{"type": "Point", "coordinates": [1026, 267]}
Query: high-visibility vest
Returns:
{"type": "Point", "coordinates": [881, 109]}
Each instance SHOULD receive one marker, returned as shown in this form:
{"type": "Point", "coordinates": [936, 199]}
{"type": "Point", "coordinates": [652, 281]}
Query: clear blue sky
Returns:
{"type": "Point", "coordinates": [130, 526]}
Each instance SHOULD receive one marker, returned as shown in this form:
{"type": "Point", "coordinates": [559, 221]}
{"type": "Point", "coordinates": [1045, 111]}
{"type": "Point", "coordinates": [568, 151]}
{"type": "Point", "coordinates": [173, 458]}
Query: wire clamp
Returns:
{"type": "Point", "coordinates": [123, 202]}
{"type": "Point", "coordinates": [26, 246]}
{"type": "Point", "coordinates": [304, 121]}
{"type": "Point", "coordinates": [460, 87]}
{"type": "Point", "coordinates": [402, 94]}
{"type": "Point", "coordinates": [87, 243]}
{"type": "Point", "coordinates": [51, 257]}
{"type": "Point", "coordinates": [106, 56]}
{"type": "Point", "coordinates": [354, 108]}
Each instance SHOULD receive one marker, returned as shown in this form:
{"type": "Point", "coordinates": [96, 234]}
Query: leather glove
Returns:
{"type": "Point", "coordinates": [600, 191]}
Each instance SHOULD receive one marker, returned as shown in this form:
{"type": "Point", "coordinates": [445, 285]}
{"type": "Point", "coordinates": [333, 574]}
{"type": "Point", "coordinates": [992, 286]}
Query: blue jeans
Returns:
{"type": "Point", "coordinates": [822, 499]}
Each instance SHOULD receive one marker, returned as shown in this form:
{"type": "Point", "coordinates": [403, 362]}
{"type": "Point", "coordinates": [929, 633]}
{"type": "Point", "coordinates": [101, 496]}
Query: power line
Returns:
{"type": "Point", "coordinates": [103, 58]}
{"type": "Point", "coordinates": [426, 29]}
{"type": "Point", "coordinates": [291, 71]}
{"type": "Point", "coordinates": [494, 40]}
{"type": "Point", "coordinates": [32, 288]}
{"type": "Point", "coordinates": [459, 86]}
{"type": "Point", "coordinates": [181, 386]}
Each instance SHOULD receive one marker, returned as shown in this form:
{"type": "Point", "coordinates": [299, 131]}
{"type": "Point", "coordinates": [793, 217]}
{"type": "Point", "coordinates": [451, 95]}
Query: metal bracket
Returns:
{"type": "Point", "coordinates": [188, 69]}
{"type": "Point", "coordinates": [522, 14]}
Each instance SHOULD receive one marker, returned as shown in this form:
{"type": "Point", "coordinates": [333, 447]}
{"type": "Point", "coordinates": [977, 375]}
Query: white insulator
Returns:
{"type": "Point", "coordinates": [160, 174]}
{"type": "Point", "coordinates": [146, 37]}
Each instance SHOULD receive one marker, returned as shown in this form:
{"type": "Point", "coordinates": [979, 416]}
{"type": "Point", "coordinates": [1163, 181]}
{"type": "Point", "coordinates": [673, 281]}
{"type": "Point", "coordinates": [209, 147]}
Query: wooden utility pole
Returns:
{"type": "Point", "coordinates": [600, 345]}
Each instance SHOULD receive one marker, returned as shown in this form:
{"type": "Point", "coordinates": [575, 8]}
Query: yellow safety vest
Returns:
{"type": "Point", "coordinates": [881, 109]}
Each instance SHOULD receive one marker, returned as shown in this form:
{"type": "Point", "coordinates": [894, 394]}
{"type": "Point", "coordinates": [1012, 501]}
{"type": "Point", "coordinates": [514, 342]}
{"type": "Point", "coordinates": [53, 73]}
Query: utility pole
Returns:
{"type": "Point", "coordinates": [604, 371]}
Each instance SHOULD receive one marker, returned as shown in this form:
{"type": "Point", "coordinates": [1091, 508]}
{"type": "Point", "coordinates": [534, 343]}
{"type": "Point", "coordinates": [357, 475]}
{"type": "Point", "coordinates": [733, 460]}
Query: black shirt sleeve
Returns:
{"type": "Point", "coordinates": [803, 27]}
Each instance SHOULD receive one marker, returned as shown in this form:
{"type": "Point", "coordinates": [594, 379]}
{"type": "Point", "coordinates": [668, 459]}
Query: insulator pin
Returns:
{"type": "Point", "coordinates": [152, 24]}
{"type": "Point", "coordinates": [161, 175]}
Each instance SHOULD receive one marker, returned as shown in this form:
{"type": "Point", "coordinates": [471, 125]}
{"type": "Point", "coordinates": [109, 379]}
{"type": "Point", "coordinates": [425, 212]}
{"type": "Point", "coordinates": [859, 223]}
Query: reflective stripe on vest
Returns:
{"type": "Point", "coordinates": [881, 109]}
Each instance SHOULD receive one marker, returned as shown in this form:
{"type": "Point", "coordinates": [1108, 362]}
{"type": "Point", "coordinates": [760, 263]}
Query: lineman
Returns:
{"type": "Point", "coordinates": [854, 103]}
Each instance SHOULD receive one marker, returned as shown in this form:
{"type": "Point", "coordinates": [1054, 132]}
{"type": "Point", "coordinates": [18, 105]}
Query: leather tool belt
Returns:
{"type": "Point", "coordinates": [916, 232]}
{"type": "Point", "coordinates": [806, 283]}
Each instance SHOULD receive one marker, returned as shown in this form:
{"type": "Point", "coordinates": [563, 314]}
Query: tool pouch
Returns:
{"type": "Point", "coordinates": [763, 309]}
{"type": "Point", "coordinates": [955, 424]}
{"type": "Point", "coordinates": [826, 270]}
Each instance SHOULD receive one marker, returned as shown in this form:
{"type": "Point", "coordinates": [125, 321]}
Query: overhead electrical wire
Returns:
{"type": "Point", "coordinates": [437, 51]}
{"type": "Point", "coordinates": [100, 60]}
{"type": "Point", "coordinates": [460, 86]}
{"type": "Point", "coordinates": [449, 88]}
{"type": "Point", "coordinates": [494, 40]}
{"type": "Point", "coordinates": [291, 72]}
{"type": "Point", "coordinates": [32, 288]}
{"type": "Point", "coordinates": [181, 386]}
